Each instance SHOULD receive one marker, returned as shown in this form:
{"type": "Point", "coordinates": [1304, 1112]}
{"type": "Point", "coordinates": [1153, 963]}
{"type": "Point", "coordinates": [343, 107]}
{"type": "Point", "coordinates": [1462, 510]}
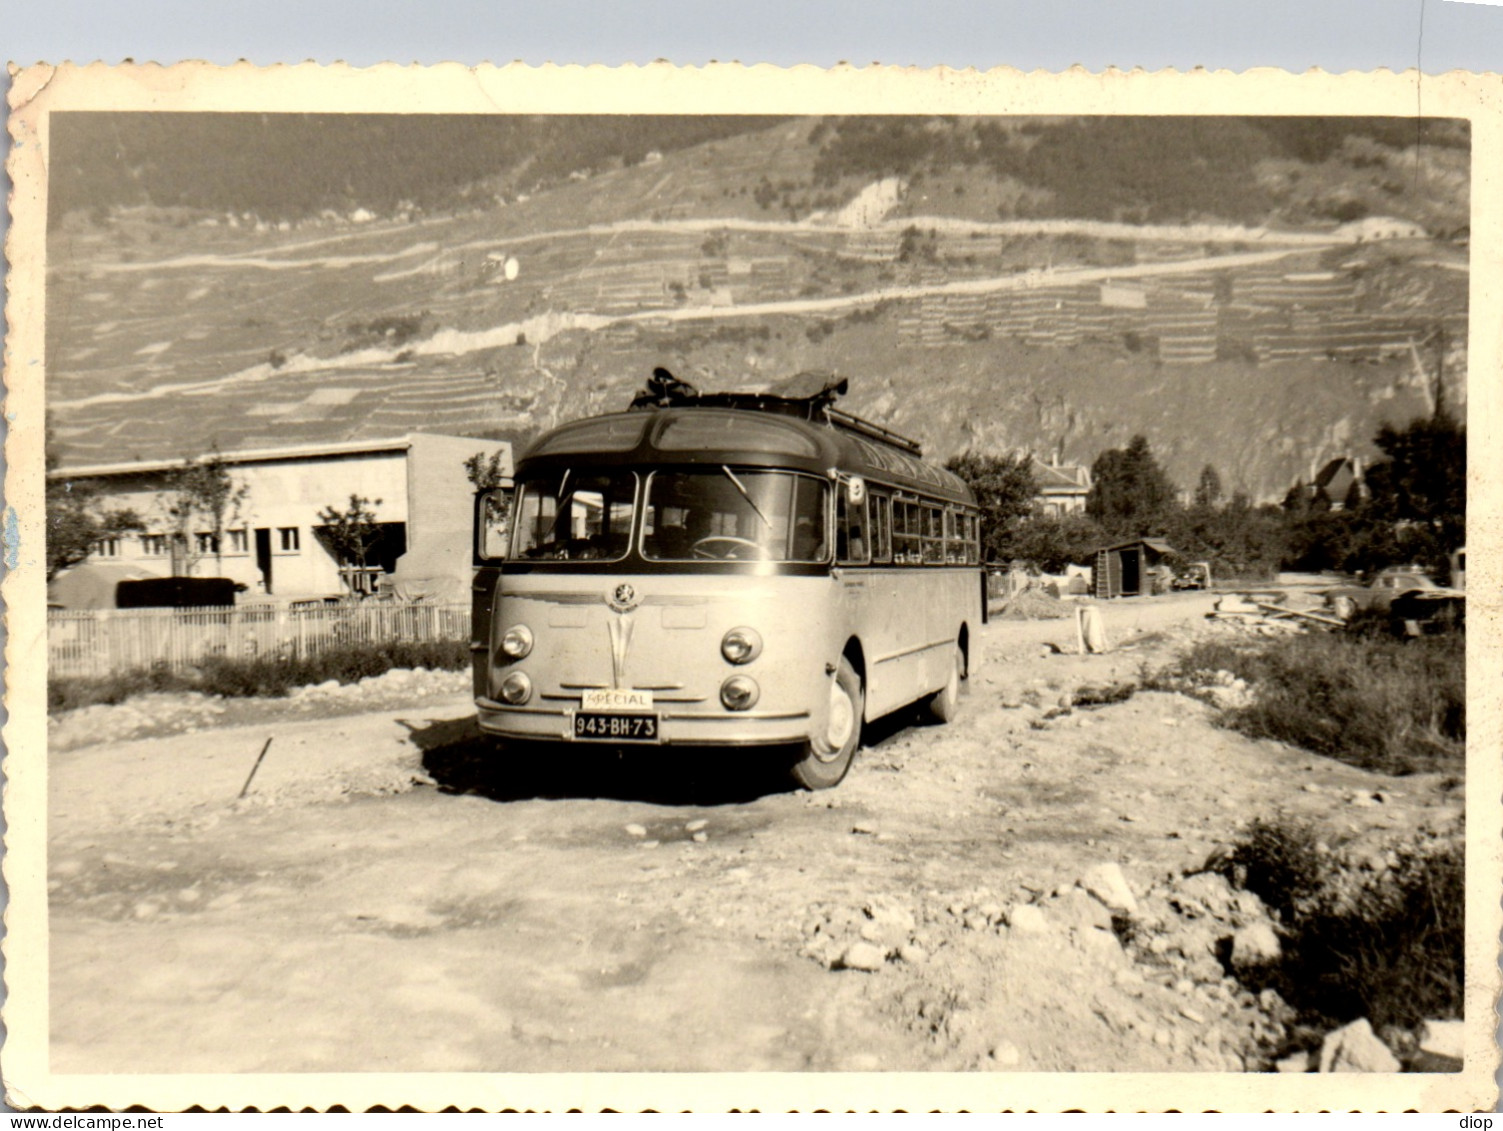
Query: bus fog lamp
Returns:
{"type": "Point", "coordinates": [516, 688]}
{"type": "Point", "coordinates": [739, 692]}
{"type": "Point", "coordinates": [517, 642]}
{"type": "Point", "coordinates": [741, 645]}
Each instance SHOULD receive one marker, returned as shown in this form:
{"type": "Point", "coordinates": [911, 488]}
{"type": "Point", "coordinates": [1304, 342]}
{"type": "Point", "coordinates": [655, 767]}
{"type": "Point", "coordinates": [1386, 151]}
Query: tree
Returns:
{"type": "Point", "coordinates": [1005, 489]}
{"type": "Point", "coordinates": [1422, 480]}
{"type": "Point", "coordinates": [201, 494]}
{"type": "Point", "coordinates": [352, 533]}
{"type": "Point", "coordinates": [1130, 494]}
{"type": "Point", "coordinates": [77, 516]}
{"type": "Point", "coordinates": [1208, 490]}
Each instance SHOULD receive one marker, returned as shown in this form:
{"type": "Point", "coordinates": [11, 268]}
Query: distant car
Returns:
{"type": "Point", "coordinates": [1196, 575]}
{"type": "Point", "coordinates": [1383, 590]}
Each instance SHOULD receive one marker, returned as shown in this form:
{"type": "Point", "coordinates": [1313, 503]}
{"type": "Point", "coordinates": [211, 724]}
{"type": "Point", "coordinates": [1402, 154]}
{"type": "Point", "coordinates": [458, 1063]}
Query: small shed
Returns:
{"type": "Point", "coordinates": [1128, 568]}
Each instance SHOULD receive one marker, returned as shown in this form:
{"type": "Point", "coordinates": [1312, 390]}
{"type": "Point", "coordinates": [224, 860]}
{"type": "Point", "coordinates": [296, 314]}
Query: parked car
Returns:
{"type": "Point", "coordinates": [1196, 575]}
{"type": "Point", "coordinates": [1385, 588]}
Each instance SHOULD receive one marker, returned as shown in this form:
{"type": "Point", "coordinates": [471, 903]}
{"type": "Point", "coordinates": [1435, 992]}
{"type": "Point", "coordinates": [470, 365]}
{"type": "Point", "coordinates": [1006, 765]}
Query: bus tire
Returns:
{"type": "Point", "coordinates": [945, 703]}
{"type": "Point", "coordinates": [827, 758]}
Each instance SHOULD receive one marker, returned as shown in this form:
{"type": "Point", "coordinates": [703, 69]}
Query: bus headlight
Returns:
{"type": "Point", "coordinates": [741, 645]}
{"type": "Point", "coordinates": [739, 692]}
{"type": "Point", "coordinates": [517, 642]}
{"type": "Point", "coordinates": [516, 688]}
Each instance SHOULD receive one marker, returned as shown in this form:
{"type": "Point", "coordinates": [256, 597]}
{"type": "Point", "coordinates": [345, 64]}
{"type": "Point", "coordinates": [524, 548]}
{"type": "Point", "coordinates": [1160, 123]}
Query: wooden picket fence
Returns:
{"type": "Point", "coordinates": [103, 642]}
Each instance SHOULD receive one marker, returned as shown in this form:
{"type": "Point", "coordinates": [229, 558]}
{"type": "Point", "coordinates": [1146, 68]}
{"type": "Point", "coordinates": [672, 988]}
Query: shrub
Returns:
{"type": "Point", "coordinates": [1388, 946]}
{"type": "Point", "coordinates": [267, 676]}
{"type": "Point", "coordinates": [1390, 705]}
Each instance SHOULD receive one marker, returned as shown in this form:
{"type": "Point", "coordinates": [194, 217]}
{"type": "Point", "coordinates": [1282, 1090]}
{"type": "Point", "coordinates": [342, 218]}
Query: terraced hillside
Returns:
{"type": "Point", "coordinates": [1263, 339]}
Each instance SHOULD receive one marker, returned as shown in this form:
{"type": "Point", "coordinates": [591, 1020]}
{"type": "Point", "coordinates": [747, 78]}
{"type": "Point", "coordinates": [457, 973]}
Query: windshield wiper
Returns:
{"type": "Point", "coordinates": [732, 477]}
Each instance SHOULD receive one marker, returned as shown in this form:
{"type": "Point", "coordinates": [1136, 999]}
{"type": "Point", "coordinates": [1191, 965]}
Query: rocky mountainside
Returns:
{"type": "Point", "coordinates": [1249, 295]}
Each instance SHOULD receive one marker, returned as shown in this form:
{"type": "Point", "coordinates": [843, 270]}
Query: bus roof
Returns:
{"type": "Point", "coordinates": [747, 436]}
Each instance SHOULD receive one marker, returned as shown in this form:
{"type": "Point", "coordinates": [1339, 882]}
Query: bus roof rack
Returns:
{"type": "Point", "coordinates": [664, 390]}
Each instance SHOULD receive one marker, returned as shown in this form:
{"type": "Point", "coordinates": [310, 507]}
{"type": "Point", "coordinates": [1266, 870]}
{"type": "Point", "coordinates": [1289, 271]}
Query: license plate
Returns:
{"type": "Point", "coordinates": [615, 699]}
{"type": "Point", "coordinates": [615, 726]}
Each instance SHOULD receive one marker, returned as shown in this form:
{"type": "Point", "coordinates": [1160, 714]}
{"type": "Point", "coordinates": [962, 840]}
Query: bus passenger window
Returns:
{"type": "Point", "coordinates": [905, 532]}
{"type": "Point", "coordinates": [934, 534]}
{"type": "Point", "coordinates": [851, 543]}
{"type": "Point", "coordinates": [881, 528]}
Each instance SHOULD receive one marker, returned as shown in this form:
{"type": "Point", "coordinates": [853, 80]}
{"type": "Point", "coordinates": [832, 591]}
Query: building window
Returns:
{"type": "Point", "coordinates": [238, 542]}
{"type": "Point", "coordinates": [289, 540]}
{"type": "Point", "coordinates": [154, 545]}
{"type": "Point", "coordinates": [107, 547]}
{"type": "Point", "coordinates": [206, 543]}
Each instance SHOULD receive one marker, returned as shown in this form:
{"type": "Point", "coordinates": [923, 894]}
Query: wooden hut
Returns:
{"type": "Point", "coordinates": [1128, 569]}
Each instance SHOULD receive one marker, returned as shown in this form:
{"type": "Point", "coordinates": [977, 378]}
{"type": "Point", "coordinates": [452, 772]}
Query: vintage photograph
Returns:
{"type": "Point", "coordinates": [895, 589]}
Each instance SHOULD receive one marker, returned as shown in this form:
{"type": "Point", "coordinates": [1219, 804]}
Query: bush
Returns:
{"type": "Point", "coordinates": [1388, 946]}
{"type": "Point", "coordinates": [1390, 705]}
{"type": "Point", "coordinates": [264, 676]}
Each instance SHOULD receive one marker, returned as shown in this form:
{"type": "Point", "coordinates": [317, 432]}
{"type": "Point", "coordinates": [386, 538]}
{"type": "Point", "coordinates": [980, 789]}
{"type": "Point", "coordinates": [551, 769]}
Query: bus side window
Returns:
{"type": "Point", "coordinates": [934, 534]}
{"type": "Point", "coordinates": [852, 545]}
{"type": "Point", "coordinates": [905, 542]}
{"type": "Point", "coordinates": [881, 528]}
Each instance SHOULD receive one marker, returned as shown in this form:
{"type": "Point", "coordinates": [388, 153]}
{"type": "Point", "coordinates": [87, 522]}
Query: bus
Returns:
{"type": "Point", "coordinates": [723, 570]}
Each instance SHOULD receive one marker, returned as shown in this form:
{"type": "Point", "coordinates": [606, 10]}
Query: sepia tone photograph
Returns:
{"type": "Point", "coordinates": [886, 591]}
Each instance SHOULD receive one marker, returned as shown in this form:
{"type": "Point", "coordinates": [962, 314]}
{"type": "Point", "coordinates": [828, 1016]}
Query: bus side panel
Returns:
{"type": "Point", "coordinates": [907, 627]}
{"type": "Point", "coordinates": [483, 589]}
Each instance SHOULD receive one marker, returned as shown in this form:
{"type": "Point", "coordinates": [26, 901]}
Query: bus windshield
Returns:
{"type": "Point", "coordinates": [735, 514]}
{"type": "Point", "coordinates": [575, 516]}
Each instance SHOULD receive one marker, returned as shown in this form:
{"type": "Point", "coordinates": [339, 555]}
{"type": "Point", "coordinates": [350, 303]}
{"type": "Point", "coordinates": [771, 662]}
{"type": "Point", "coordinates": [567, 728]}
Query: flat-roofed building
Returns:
{"type": "Point", "coordinates": [274, 542]}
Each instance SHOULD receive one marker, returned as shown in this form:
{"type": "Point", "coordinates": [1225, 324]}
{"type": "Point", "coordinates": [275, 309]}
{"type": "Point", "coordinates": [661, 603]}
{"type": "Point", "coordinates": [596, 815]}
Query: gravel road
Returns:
{"type": "Point", "coordinates": [394, 893]}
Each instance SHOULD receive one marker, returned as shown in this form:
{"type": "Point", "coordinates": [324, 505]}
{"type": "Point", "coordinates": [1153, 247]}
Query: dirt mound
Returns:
{"type": "Point", "coordinates": [1033, 604]}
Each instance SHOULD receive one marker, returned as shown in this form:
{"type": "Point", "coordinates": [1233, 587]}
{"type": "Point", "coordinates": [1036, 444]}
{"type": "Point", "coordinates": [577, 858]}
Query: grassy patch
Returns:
{"type": "Point", "coordinates": [261, 677]}
{"type": "Point", "coordinates": [1385, 945]}
{"type": "Point", "coordinates": [1384, 704]}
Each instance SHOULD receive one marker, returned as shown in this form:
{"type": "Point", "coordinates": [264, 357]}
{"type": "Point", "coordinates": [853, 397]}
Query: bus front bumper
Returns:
{"type": "Point", "coordinates": [675, 727]}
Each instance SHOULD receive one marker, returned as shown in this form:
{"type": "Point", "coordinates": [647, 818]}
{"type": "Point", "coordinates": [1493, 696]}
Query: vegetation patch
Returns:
{"type": "Point", "coordinates": [1390, 705]}
{"type": "Point", "coordinates": [268, 676]}
{"type": "Point", "coordinates": [1377, 938]}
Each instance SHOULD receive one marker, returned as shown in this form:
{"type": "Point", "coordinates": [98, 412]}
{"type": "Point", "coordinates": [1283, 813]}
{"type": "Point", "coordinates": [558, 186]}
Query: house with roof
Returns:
{"type": "Point", "coordinates": [1337, 485]}
{"type": "Point", "coordinates": [1061, 488]}
{"type": "Point", "coordinates": [274, 542]}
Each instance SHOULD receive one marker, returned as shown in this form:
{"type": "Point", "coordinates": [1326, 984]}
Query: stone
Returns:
{"type": "Point", "coordinates": [1254, 945]}
{"type": "Point", "coordinates": [913, 954]}
{"type": "Point", "coordinates": [1006, 1054]}
{"type": "Point", "coordinates": [1363, 800]}
{"type": "Point", "coordinates": [695, 826]}
{"type": "Point", "coordinates": [1443, 1038]}
{"type": "Point", "coordinates": [1295, 1062]}
{"type": "Point", "coordinates": [1078, 910]}
{"type": "Point", "coordinates": [1191, 1015]}
{"type": "Point", "coordinates": [1356, 1048]}
{"type": "Point", "coordinates": [635, 830]}
{"type": "Point", "coordinates": [1441, 1047]}
{"type": "Point", "coordinates": [700, 837]}
{"type": "Point", "coordinates": [145, 909]}
{"type": "Point", "coordinates": [1027, 920]}
{"type": "Point", "coordinates": [862, 956]}
{"type": "Point", "coordinates": [1107, 883]}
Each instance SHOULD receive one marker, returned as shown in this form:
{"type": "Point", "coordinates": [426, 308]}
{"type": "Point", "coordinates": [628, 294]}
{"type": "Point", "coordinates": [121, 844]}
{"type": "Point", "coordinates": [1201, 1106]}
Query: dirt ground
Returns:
{"type": "Point", "coordinates": [396, 894]}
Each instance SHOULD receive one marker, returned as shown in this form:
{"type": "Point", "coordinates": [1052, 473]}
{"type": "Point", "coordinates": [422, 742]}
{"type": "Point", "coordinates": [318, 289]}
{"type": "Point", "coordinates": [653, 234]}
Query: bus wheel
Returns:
{"type": "Point", "coordinates": [828, 757]}
{"type": "Point", "coordinates": [946, 702]}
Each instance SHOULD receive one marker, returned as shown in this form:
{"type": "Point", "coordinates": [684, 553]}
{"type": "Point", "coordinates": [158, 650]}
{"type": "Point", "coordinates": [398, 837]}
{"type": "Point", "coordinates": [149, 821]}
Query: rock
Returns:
{"type": "Point", "coordinates": [189, 895]}
{"type": "Point", "coordinates": [1255, 945]}
{"type": "Point", "coordinates": [862, 956]}
{"type": "Point", "coordinates": [865, 828]}
{"type": "Point", "coordinates": [700, 838]}
{"type": "Point", "coordinates": [913, 954]}
{"type": "Point", "coordinates": [635, 830]}
{"type": "Point", "coordinates": [1356, 1048]}
{"type": "Point", "coordinates": [1190, 1015]}
{"type": "Point", "coordinates": [1107, 883]}
{"type": "Point", "coordinates": [145, 909]}
{"type": "Point", "coordinates": [1162, 1038]}
{"type": "Point", "coordinates": [1441, 1047]}
{"type": "Point", "coordinates": [695, 826]}
{"type": "Point", "coordinates": [1078, 910]}
{"type": "Point", "coordinates": [1362, 800]}
{"type": "Point", "coordinates": [1027, 920]}
{"type": "Point", "coordinates": [1006, 1053]}
{"type": "Point", "coordinates": [1296, 1062]}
